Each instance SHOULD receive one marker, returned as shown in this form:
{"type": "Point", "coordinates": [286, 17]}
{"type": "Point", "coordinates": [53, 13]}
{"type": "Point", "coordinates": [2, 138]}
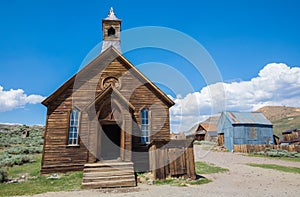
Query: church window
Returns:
{"type": "Point", "coordinates": [74, 127]}
{"type": "Point", "coordinates": [145, 126]}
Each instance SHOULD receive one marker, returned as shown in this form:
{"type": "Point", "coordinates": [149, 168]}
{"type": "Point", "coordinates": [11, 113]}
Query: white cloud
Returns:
{"type": "Point", "coordinates": [13, 99]}
{"type": "Point", "coordinates": [276, 84]}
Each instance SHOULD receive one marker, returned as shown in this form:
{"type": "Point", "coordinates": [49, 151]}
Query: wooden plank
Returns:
{"type": "Point", "coordinates": [191, 171]}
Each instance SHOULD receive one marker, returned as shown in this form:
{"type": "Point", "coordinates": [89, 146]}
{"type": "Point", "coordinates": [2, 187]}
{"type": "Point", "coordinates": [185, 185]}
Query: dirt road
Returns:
{"type": "Point", "coordinates": [241, 180]}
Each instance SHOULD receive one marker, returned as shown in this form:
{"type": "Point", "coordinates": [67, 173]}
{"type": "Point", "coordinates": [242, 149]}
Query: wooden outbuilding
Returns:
{"type": "Point", "coordinates": [203, 131]}
{"type": "Point", "coordinates": [105, 118]}
{"type": "Point", "coordinates": [197, 132]}
{"type": "Point", "coordinates": [291, 136]}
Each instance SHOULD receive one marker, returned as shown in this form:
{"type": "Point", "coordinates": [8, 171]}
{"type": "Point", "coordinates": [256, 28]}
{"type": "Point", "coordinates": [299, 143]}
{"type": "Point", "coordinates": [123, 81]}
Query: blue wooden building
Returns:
{"type": "Point", "coordinates": [244, 128]}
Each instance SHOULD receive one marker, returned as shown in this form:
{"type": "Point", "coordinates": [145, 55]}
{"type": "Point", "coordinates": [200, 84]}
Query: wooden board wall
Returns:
{"type": "Point", "coordinates": [171, 161]}
{"type": "Point", "coordinates": [80, 93]}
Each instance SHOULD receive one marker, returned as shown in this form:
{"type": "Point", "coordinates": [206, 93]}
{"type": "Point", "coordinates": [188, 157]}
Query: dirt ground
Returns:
{"type": "Point", "coordinates": [241, 180]}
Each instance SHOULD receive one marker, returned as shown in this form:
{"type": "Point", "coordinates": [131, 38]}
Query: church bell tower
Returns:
{"type": "Point", "coordinates": [111, 28]}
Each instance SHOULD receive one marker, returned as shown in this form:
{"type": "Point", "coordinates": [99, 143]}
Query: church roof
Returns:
{"type": "Point", "coordinates": [106, 58]}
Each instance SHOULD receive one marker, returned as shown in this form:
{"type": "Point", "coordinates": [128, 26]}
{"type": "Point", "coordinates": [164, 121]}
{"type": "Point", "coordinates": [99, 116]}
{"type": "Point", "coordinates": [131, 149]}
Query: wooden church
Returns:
{"type": "Point", "coordinates": [105, 119]}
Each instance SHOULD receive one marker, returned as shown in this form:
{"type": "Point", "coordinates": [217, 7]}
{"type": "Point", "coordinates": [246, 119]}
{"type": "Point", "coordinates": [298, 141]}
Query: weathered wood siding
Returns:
{"type": "Point", "coordinates": [292, 137]}
{"type": "Point", "coordinates": [175, 159]}
{"type": "Point", "coordinates": [57, 156]}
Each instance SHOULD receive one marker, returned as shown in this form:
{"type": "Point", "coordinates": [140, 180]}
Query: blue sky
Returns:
{"type": "Point", "coordinates": [43, 43]}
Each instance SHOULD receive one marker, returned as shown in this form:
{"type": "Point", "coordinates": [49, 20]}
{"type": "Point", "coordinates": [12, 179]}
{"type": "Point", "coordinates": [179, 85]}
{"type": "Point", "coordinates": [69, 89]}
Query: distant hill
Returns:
{"type": "Point", "coordinates": [282, 117]}
{"type": "Point", "coordinates": [7, 127]}
{"type": "Point", "coordinates": [274, 113]}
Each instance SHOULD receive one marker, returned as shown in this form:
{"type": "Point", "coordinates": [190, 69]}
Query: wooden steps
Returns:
{"type": "Point", "coordinates": [108, 174]}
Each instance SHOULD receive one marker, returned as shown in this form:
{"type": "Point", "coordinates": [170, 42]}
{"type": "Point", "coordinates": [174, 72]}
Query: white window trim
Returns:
{"type": "Point", "coordinates": [149, 126]}
{"type": "Point", "coordinates": [78, 128]}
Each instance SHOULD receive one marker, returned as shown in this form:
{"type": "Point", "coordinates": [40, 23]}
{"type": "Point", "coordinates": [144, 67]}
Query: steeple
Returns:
{"type": "Point", "coordinates": [111, 28]}
{"type": "Point", "coordinates": [111, 15]}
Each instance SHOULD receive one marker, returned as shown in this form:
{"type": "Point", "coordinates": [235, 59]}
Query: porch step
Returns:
{"type": "Point", "coordinates": [108, 174]}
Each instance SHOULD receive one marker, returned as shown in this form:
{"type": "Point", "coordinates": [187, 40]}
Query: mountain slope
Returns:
{"type": "Point", "coordinates": [282, 117]}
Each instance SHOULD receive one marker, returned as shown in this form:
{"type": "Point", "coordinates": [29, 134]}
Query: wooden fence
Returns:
{"type": "Point", "coordinates": [174, 159]}
{"type": "Point", "coordinates": [253, 148]}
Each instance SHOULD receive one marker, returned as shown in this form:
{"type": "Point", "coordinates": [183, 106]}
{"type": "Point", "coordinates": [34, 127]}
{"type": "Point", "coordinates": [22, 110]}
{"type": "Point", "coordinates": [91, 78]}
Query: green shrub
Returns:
{"type": "Point", "coordinates": [24, 150]}
{"type": "Point", "coordinates": [273, 150]}
{"type": "Point", "coordinates": [8, 162]}
{"type": "Point", "coordinates": [260, 153]}
{"type": "Point", "coordinates": [277, 153]}
{"type": "Point", "coordinates": [272, 154]}
{"type": "Point", "coordinates": [15, 150]}
{"type": "Point", "coordinates": [293, 154]}
{"type": "Point", "coordinates": [297, 155]}
{"type": "Point", "coordinates": [209, 143]}
{"type": "Point", "coordinates": [13, 136]}
{"type": "Point", "coordinates": [282, 154]}
{"type": "Point", "coordinates": [12, 160]}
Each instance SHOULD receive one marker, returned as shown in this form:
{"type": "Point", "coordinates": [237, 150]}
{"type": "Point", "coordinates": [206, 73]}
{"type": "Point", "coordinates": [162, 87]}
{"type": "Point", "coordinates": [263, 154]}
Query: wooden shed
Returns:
{"type": "Point", "coordinates": [197, 132]}
{"type": "Point", "coordinates": [105, 118]}
{"type": "Point", "coordinates": [203, 131]}
{"type": "Point", "coordinates": [291, 136]}
{"type": "Point", "coordinates": [244, 128]}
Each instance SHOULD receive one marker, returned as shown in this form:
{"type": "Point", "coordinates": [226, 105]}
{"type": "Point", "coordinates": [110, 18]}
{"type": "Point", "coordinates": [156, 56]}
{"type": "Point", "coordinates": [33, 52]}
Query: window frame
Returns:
{"type": "Point", "coordinates": [77, 143]}
{"type": "Point", "coordinates": [253, 133]}
{"type": "Point", "coordinates": [145, 124]}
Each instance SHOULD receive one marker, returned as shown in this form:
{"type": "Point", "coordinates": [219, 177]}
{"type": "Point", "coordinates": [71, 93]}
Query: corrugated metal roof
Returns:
{"type": "Point", "coordinates": [247, 118]}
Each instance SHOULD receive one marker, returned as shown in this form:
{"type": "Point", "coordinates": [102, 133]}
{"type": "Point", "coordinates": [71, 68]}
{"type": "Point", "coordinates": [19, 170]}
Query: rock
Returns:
{"type": "Point", "coordinates": [150, 182]}
{"type": "Point", "coordinates": [54, 176]}
{"type": "Point", "coordinates": [13, 181]}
